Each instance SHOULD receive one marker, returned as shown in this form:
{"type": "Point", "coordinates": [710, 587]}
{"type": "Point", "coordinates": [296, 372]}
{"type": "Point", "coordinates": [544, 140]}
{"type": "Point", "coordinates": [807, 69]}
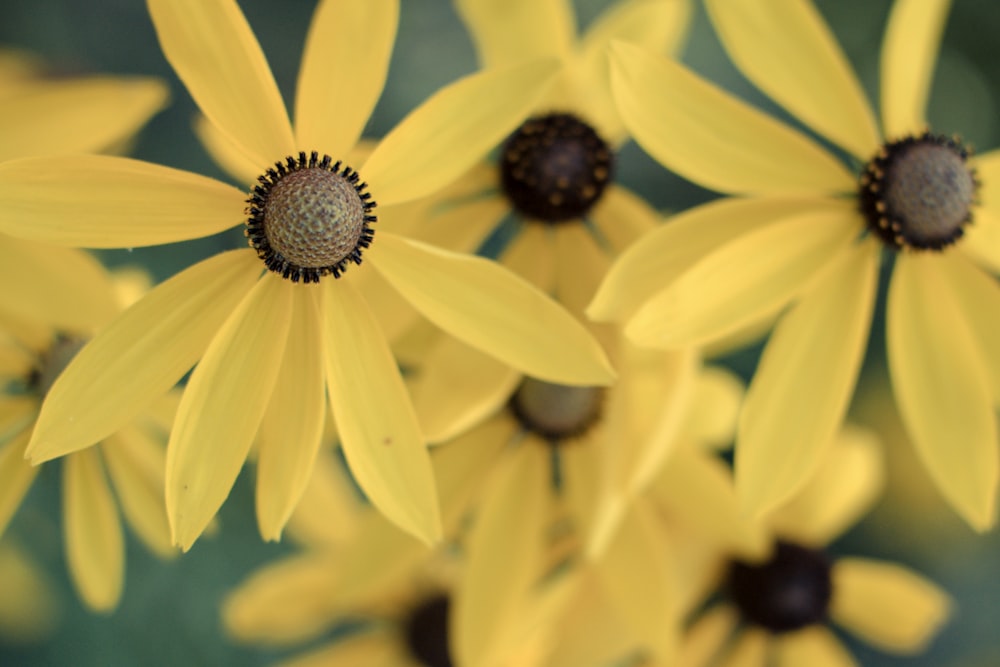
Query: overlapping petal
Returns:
{"type": "Point", "coordinates": [509, 31]}
{"type": "Point", "coordinates": [16, 476]}
{"type": "Point", "coordinates": [815, 646]}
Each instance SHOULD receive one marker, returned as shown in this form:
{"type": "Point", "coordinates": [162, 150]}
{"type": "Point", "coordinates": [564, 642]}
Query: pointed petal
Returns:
{"type": "Point", "coordinates": [226, 153]}
{"type": "Point", "coordinates": [790, 53]}
{"type": "Point", "coordinates": [458, 387]}
{"type": "Point", "coordinates": [112, 202]}
{"type": "Point", "coordinates": [329, 511]}
{"type": "Point", "coordinates": [742, 281]}
{"type": "Point", "coordinates": [941, 388]}
{"type": "Point", "coordinates": [509, 31]}
{"type": "Point", "coordinates": [135, 463]}
{"type": "Point", "coordinates": [666, 252]}
{"type": "Point", "coordinates": [846, 485]}
{"type": "Point", "coordinates": [909, 53]}
{"type": "Point", "coordinates": [16, 476]}
{"type": "Point", "coordinates": [710, 137]}
{"type": "Point", "coordinates": [95, 546]}
{"type": "Point", "coordinates": [62, 287]}
{"type": "Point", "coordinates": [214, 52]}
{"type": "Point", "coordinates": [292, 426]}
{"type": "Point", "coordinates": [815, 646]}
{"type": "Point", "coordinates": [508, 537]}
{"type": "Point", "coordinates": [222, 406]}
{"type": "Point", "coordinates": [378, 428]}
{"type": "Point", "coordinates": [77, 116]}
{"type": "Point", "coordinates": [887, 605]}
{"type": "Point", "coordinates": [484, 305]}
{"type": "Point", "coordinates": [451, 131]}
{"type": "Point", "coordinates": [347, 51]}
{"type": "Point", "coordinates": [140, 355]}
{"type": "Point", "coordinates": [804, 381]}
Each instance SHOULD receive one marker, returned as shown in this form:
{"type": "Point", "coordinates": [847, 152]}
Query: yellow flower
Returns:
{"type": "Point", "coordinates": [28, 606]}
{"type": "Point", "coordinates": [265, 346]}
{"type": "Point", "coordinates": [803, 237]}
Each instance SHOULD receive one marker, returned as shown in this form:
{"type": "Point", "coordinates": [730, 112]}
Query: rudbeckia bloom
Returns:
{"type": "Point", "coordinates": [269, 337]}
{"type": "Point", "coordinates": [802, 236]}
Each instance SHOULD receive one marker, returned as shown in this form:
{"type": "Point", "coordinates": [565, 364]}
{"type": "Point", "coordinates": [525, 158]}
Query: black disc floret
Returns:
{"type": "Point", "coordinates": [308, 217]}
{"type": "Point", "coordinates": [426, 632]}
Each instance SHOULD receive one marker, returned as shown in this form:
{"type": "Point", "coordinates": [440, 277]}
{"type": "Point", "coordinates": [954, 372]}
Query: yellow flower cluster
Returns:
{"type": "Point", "coordinates": [472, 322]}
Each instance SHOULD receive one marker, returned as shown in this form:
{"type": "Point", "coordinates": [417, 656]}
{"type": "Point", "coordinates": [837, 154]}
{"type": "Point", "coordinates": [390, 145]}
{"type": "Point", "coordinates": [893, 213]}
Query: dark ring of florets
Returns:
{"type": "Point", "coordinates": [255, 226]}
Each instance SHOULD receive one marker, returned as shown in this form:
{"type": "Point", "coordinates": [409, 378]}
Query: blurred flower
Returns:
{"type": "Point", "coordinates": [267, 342]}
{"type": "Point", "coordinates": [29, 610]}
{"type": "Point", "coordinates": [805, 237]}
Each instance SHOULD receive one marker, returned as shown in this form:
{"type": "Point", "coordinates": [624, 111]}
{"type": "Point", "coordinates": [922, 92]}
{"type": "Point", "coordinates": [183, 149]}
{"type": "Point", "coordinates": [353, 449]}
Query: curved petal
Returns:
{"type": "Point", "coordinates": [95, 546]}
{"type": "Point", "coordinates": [669, 250]}
{"type": "Point", "coordinates": [710, 137]}
{"type": "Point", "coordinates": [16, 476]}
{"type": "Point", "coordinates": [140, 355]}
{"type": "Point", "coordinates": [292, 426]}
{"type": "Point", "coordinates": [344, 65]}
{"type": "Point", "coordinates": [63, 287]}
{"type": "Point", "coordinates": [941, 387]}
{"type": "Point", "coordinates": [508, 537]}
{"type": "Point", "coordinates": [484, 305]}
{"type": "Point", "coordinates": [621, 217]}
{"type": "Point", "coordinates": [742, 281]}
{"type": "Point", "coordinates": [222, 406]}
{"type": "Point", "coordinates": [77, 116]}
{"type": "Point", "coordinates": [788, 51]}
{"type": "Point", "coordinates": [112, 202]}
{"type": "Point", "coordinates": [451, 131]}
{"type": "Point", "coordinates": [815, 646]}
{"type": "Point", "coordinates": [329, 511]}
{"type": "Point", "coordinates": [211, 47]}
{"type": "Point", "coordinates": [888, 605]}
{"type": "Point", "coordinates": [457, 387]}
{"type": "Point", "coordinates": [715, 407]}
{"type": "Point", "coordinates": [509, 31]}
{"type": "Point", "coordinates": [909, 53]}
{"type": "Point", "coordinates": [378, 428]}
{"type": "Point", "coordinates": [227, 154]}
{"type": "Point", "coordinates": [804, 381]}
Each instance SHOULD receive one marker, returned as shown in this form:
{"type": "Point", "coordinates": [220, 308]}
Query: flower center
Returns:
{"type": "Point", "coordinates": [554, 411]}
{"type": "Point", "coordinates": [308, 218]}
{"type": "Point", "coordinates": [427, 632]}
{"type": "Point", "coordinates": [554, 168]}
{"type": "Point", "coordinates": [53, 362]}
{"type": "Point", "coordinates": [918, 192]}
{"type": "Point", "coordinates": [788, 592]}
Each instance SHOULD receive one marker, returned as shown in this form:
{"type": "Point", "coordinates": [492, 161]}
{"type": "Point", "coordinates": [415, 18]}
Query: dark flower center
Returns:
{"type": "Point", "coordinates": [789, 592]}
{"type": "Point", "coordinates": [427, 632]}
{"type": "Point", "coordinates": [309, 217]}
{"type": "Point", "coordinates": [556, 412]}
{"type": "Point", "coordinates": [53, 362]}
{"type": "Point", "coordinates": [918, 192]}
{"type": "Point", "coordinates": [554, 168]}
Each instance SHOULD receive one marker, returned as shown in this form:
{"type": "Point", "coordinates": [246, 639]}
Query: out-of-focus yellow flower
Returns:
{"type": "Point", "coordinates": [29, 610]}
{"type": "Point", "coordinates": [269, 344]}
{"type": "Point", "coordinates": [803, 235]}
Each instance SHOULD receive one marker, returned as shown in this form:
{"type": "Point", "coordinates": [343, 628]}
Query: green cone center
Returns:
{"type": "Point", "coordinates": [556, 411]}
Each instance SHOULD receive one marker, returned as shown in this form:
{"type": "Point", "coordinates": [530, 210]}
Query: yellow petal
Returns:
{"type": "Point", "coordinates": [29, 605]}
{"type": "Point", "coordinates": [804, 382]}
{"type": "Point", "coordinates": [981, 240]}
{"type": "Point", "coordinates": [815, 646]}
{"type": "Point", "coordinates": [508, 537]}
{"type": "Point", "coordinates": [489, 308]}
{"type": "Point", "coordinates": [743, 280]}
{"type": "Point", "coordinates": [715, 406]}
{"type": "Point", "coordinates": [95, 547]}
{"type": "Point", "coordinates": [888, 605]}
{"type": "Point", "coordinates": [531, 255]}
{"type": "Point", "coordinates": [15, 361]}
{"type": "Point", "coordinates": [669, 250]}
{"type": "Point", "coordinates": [62, 287]}
{"type": "Point", "coordinates": [378, 427]}
{"type": "Point", "coordinates": [509, 31]}
{"type": "Point", "coordinates": [16, 476]}
{"type": "Point", "coordinates": [621, 217]}
{"type": "Point", "coordinates": [710, 137]}
{"type": "Point", "coordinates": [374, 647]}
{"type": "Point", "coordinates": [789, 52]}
{"type": "Point", "coordinates": [941, 387]}
{"type": "Point", "coordinates": [464, 226]}
{"type": "Point", "coordinates": [451, 131]}
{"type": "Point", "coordinates": [847, 483]}
{"type": "Point", "coordinates": [750, 649]}
{"type": "Point", "coordinates": [707, 636]}
{"type": "Point", "coordinates": [328, 512]}
{"type": "Point", "coordinates": [140, 355]}
{"type": "Point", "coordinates": [580, 266]}
{"type": "Point", "coordinates": [135, 464]}
{"type": "Point", "coordinates": [395, 315]}
{"type": "Point", "coordinates": [17, 413]}
{"type": "Point", "coordinates": [987, 168]}
{"type": "Point", "coordinates": [458, 387]}
{"type": "Point", "coordinates": [112, 202]}
{"type": "Point", "coordinates": [343, 71]}
{"type": "Point", "coordinates": [292, 426]}
{"type": "Point", "coordinates": [222, 407]}
{"type": "Point", "coordinates": [226, 153]}
{"type": "Point", "coordinates": [77, 116]}
{"type": "Point", "coordinates": [214, 52]}
{"type": "Point", "coordinates": [909, 54]}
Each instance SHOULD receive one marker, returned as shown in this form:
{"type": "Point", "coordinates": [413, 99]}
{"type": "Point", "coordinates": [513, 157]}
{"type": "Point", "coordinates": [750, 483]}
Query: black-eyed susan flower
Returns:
{"type": "Point", "coordinates": [803, 236]}
{"type": "Point", "coordinates": [274, 327]}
